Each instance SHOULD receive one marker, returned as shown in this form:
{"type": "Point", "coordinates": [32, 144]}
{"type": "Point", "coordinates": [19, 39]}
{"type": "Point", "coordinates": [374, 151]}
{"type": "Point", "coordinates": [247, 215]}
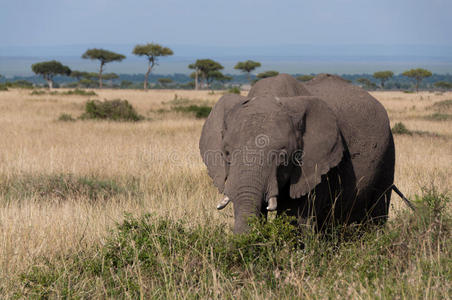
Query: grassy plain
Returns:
{"type": "Point", "coordinates": [64, 186]}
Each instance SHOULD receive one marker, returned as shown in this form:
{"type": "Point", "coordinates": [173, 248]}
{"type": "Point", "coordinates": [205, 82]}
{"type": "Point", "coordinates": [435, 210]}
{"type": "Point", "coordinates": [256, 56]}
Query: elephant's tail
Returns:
{"type": "Point", "coordinates": [407, 201]}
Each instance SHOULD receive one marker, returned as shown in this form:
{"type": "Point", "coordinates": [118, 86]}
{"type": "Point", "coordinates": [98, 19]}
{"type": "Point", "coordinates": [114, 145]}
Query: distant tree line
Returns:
{"type": "Point", "coordinates": [184, 81]}
{"type": "Point", "coordinates": [207, 73]}
{"type": "Point", "coordinates": [414, 78]}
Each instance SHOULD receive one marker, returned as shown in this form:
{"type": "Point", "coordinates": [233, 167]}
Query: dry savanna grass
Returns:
{"type": "Point", "coordinates": [63, 185]}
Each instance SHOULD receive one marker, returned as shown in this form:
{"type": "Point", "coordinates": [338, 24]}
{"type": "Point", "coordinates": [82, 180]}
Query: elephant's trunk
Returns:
{"type": "Point", "coordinates": [251, 188]}
{"type": "Point", "coordinates": [247, 204]}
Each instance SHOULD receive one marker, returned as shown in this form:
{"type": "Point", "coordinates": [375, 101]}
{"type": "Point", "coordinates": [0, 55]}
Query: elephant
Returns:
{"type": "Point", "coordinates": [322, 152]}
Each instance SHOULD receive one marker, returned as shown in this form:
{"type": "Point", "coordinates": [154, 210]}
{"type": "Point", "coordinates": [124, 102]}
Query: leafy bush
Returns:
{"type": "Point", "coordinates": [22, 84]}
{"type": "Point", "coordinates": [234, 90]}
{"type": "Point", "coordinates": [157, 257]}
{"type": "Point", "coordinates": [3, 87]}
{"type": "Point", "coordinates": [197, 107]}
{"type": "Point", "coordinates": [116, 110]}
{"type": "Point", "coordinates": [37, 92]}
{"type": "Point", "coordinates": [66, 186]}
{"type": "Point", "coordinates": [444, 105]}
{"type": "Point", "coordinates": [200, 111]}
{"type": "Point", "coordinates": [66, 118]}
{"type": "Point", "coordinates": [400, 128]}
{"type": "Point", "coordinates": [439, 117]}
{"type": "Point", "coordinates": [69, 93]}
{"type": "Point", "coordinates": [126, 84]}
{"type": "Point", "coordinates": [80, 93]}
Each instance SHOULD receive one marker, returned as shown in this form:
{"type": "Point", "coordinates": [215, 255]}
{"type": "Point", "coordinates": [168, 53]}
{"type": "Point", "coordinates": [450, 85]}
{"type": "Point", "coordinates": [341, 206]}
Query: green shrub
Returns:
{"type": "Point", "coordinates": [439, 117]}
{"type": "Point", "coordinates": [158, 257]}
{"type": "Point", "coordinates": [442, 105]}
{"type": "Point", "coordinates": [66, 186]}
{"type": "Point", "coordinates": [400, 128]}
{"type": "Point", "coordinates": [37, 92]}
{"type": "Point", "coordinates": [22, 84]}
{"type": "Point", "coordinates": [66, 118]}
{"type": "Point", "coordinates": [80, 93]}
{"type": "Point", "coordinates": [3, 87]}
{"type": "Point", "coordinates": [116, 110]}
{"type": "Point", "coordinates": [234, 90]}
{"type": "Point", "coordinates": [200, 111]}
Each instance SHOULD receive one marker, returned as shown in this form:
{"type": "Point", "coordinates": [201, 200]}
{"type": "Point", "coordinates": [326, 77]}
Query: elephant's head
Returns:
{"type": "Point", "coordinates": [254, 146]}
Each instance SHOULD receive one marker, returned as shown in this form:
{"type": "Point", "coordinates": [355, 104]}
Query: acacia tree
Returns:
{"type": "Point", "coordinates": [78, 75]}
{"type": "Point", "coordinates": [383, 76]}
{"type": "Point", "coordinates": [110, 76]}
{"type": "Point", "coordinates": [104, 56]}
{"type": "Point", "coordinates": [89, 79]}
{"type": "Point", "coordinates": [247, 67]}
{"type": "Point", "coordinates": [220, 77]}
{"type": "Point", "coordinates": [48, 69]}
{"type": "Point", "coordinates": [418, 75]}
{"type": "Point", "coordinates": [444, 85]}
{"type": "Point", "coordinates": [207, 69]}
{"type": "Point", "coordinates": [152, 52]}
{"type": "Point", "coordinates": [367, 84]}
{"type": "Point", "coordinates": [164, 81]}
{"type": "Point", "coordinates": [267, 74]}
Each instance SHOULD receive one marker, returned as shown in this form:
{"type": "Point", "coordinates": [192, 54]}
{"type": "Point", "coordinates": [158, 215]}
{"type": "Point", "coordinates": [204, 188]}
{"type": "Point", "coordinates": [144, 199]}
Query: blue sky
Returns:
{"type": "Point", "coordinates": [286, 35]}
{"type": "Point", "coordinates": [225, 23]}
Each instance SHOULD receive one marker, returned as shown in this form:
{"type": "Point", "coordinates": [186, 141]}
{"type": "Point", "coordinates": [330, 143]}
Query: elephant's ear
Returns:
{"type": "Point", "coordinates": [320, 142]}
{"type": "Point", "coordinates": [211, 139]}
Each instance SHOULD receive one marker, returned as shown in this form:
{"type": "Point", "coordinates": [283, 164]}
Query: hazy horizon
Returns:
{"type": "Point", "coordinates": [340, 59]}
{"type": "Point", "coordinates": [340, 36]}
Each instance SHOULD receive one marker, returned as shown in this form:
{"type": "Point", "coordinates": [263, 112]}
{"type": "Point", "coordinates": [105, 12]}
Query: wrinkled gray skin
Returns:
{"type": "Point", "coordinates": [323, 149]}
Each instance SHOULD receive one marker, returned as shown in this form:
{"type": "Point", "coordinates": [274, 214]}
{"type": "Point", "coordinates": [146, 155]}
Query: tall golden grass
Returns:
{"type": "Point", "coordinates": [161, 154]}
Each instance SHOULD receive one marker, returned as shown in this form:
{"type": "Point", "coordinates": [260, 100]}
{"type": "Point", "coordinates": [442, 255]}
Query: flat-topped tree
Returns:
{"type": "Point", "coordinates": [110, 76]}
{"type": "Point", "coordinates": [48, 69]}
{"type": "Point", "coordinates": [247, 67]}
{"type": "Point", "coordinates": [104, 56]}
{"type": "Point", "coordinates": [207, 69]}
{"type": "Point", "coordinates": [165, 81]}
{"type": "Point", "coordinates": [383, 76]}
{"type": "Point", "coordinates": [267, 74]}
{"type": "Point", "coordinates": [418, 75]}
{"type": "Point", "coordinates": [444, 85]}
{"type": "Point", "coordinates": [89, 78]}
{"type": "Point", "coordinates": [78, 75]}
{"type": "Point", "coordinates": [218, 76]}
{"type": "Point", "coordinates": [152, 52]}
{"type": "Point", "coordinates": [366, 83]}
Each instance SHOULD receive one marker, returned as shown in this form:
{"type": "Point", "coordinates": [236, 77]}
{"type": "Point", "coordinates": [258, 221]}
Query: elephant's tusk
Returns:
{"type": "Point", "coordinates": [223, 203]}
{"type": "Point", "coordinates": [272, 204]}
